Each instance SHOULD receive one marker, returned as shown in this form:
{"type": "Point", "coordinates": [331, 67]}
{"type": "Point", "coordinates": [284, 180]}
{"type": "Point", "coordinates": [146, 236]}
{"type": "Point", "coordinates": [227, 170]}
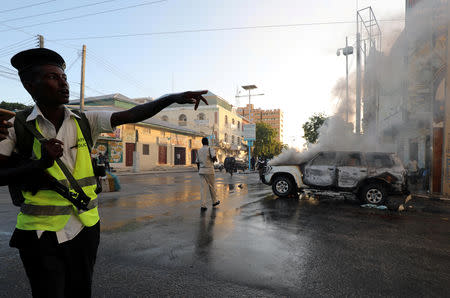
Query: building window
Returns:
{"type": "Point", "coordinates": [232, 121]}
{"type": "Point", "coordinates": [201, 116]}
{"type": "Point", "coordinates": [232, 140]}
{"type": "Point", "coordinates": [215, 117]}
{"type": "Point", "coordinates": [182, 120]}
{"type": "Point", "coordinates": [165, 118]}
{"type": "Point", "coordinates": [226, 138]}
{"type": "Point", "coordinates": [226, 119]}
{"type": "Point", "coordinates": [145, 149]}
{"type": "Point", "coordinates": [239, 124]}
{"type": "Point", "coordinates": [238, 141]}
{"type": "Point", "coordinates": [190, 143]}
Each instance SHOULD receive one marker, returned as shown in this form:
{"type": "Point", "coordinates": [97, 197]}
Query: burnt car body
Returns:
{"type": "Point", "coordinates": [371, 176]}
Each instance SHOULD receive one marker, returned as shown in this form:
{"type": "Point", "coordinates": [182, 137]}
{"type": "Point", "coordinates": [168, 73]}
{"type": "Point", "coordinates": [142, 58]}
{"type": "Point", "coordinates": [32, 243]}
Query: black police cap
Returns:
{"type": "Point", "coordinates": [34, 57]}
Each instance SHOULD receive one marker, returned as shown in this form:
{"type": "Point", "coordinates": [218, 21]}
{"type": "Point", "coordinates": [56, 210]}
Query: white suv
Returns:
{"type": "Point", "coordinates": [370, 176]}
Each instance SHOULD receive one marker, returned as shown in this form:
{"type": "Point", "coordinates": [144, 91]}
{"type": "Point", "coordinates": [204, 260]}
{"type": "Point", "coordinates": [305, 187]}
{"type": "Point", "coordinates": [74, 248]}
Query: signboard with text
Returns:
{"type": "Point", "coordinates": [249, 132]}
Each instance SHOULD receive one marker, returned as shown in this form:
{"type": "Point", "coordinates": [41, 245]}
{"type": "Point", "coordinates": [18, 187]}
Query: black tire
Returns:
{"type": "Point", "coordinates": [373, 193]}
{"type": "Point", "coordinates": [283, 186]}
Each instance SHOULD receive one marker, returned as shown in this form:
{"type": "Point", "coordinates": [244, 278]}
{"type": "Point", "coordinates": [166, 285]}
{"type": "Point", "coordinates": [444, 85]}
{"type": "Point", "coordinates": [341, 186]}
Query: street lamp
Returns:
{"type": "Point", "coordinates": [346, 51]}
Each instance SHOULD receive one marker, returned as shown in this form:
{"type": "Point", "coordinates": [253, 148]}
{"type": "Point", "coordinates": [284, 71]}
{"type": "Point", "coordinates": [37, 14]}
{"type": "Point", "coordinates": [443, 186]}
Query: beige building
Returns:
{"type": "Point", "coordinates": [158, 144]}
{"type": "Point", "coordinates": [218, 120]}
{"type": "Point", "coordinates": [272, 117]}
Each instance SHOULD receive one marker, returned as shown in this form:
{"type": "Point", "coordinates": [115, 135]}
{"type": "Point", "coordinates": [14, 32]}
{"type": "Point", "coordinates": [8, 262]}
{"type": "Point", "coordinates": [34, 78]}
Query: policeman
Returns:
{"type": "Point", "coordinates": [57, 242]}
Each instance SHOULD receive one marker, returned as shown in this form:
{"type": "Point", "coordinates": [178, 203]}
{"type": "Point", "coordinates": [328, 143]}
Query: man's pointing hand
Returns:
{"type": "Point", "coordinates": [191, 97]}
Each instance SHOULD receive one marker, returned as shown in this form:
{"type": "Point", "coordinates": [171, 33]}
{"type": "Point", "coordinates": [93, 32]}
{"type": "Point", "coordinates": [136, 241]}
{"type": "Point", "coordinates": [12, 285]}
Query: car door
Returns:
{"type": "Point", "coordinates": [351, 169]}
{"type": "Point", "coordinates": [321, 170]}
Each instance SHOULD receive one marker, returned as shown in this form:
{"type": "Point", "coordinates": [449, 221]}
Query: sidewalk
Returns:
{"type": "Point", "coordinates": [156, 171]}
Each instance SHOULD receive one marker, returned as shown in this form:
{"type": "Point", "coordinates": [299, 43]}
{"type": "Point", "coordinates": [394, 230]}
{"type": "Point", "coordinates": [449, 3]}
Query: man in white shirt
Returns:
{"type": "Point", "coordinates": [59, 256]}
{"type": "Point", "coordinates": [205, 159]}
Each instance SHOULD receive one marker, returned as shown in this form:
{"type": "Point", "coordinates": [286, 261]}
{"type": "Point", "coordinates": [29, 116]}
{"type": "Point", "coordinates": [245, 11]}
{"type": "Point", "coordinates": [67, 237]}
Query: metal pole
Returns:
{"type": "Point", "coordinates": [83, 68]}
{"type": "Point", "coordinates": [358, 84]}
{"type": "Point", "coordinates": [249, 106]}
{"type": "Point", "coordinates": [41, 41]}
{"type": "Point", "coordinates": [346, 72]}
{"type": "Point", "coordinates": [250, 143]}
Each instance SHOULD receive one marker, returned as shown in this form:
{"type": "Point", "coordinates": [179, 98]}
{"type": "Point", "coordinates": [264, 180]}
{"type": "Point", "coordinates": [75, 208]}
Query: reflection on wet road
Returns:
{"type": "Point", "coordinates": [155, 241]}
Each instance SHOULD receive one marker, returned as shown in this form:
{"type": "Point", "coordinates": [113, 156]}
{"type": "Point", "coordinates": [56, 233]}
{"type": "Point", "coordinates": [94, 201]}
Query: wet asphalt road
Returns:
{"type": "Point", "coordinates": [156, 242]}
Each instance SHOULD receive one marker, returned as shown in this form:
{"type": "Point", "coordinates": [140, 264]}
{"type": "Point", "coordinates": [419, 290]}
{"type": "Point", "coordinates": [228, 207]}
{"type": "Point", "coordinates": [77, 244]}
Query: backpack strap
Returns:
{"type": "Point", "coordinates": [85, 128]}
{"type": "Point", "coordinates": [24, 138]}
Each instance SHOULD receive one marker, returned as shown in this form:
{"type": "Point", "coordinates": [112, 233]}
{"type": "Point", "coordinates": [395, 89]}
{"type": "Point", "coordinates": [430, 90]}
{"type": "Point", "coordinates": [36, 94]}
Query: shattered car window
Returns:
{"type": "Point", "coordinates": [351, 160]}
{"type": "Point", "coordinates": [377, 160]}
{"type": "Point", "coordinates": [324, 159]}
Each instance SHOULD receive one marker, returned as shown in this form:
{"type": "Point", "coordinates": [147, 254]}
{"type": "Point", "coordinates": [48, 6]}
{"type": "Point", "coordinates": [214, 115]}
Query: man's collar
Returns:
{"type": "Point", "coordinates": [37, 112]}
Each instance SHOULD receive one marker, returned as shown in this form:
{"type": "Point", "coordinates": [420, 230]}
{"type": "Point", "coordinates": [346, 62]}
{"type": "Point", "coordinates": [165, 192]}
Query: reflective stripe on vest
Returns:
{"type": "Point", "coordinates": [52, 210]}
{"type": "Point", "coordinates": [49, 211]}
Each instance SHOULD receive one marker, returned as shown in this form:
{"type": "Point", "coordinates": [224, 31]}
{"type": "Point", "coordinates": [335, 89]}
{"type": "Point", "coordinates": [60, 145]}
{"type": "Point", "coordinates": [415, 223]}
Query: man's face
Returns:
{"type": "Point", "coordinates": [49, 86]}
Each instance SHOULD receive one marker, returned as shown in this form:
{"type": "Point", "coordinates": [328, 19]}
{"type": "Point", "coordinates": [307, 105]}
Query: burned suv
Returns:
{"type": "Point", "coordinates": [370, 176]}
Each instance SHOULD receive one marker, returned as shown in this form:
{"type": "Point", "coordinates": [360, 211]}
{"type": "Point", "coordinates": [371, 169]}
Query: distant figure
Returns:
{"type": "Point", "coordinates": [413, 171]}
{"type": "Point", "coordinates": [104, 160]}
{"type": "Point", "coordinates": [252, 163]}
{"type": "Point", "coordinates": [229, 164]}
{"type": "Point", "coordinates": [205, 162]}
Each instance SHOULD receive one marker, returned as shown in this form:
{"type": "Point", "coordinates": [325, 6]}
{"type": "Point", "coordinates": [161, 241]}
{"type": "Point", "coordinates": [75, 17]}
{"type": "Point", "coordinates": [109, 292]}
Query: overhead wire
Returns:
{"type": "Point", "coordinates": [216, 29]}
{"type": "Point", "coordinates": [26, 6]}
{"type": "Point", "coordinates": [88, 15]}
{"type": "Point", "coordinates": [117, 72]}
{"type": "Point", "coordinates": [17, 43]}
{"type": "Point", "coordinates": [57, 11]}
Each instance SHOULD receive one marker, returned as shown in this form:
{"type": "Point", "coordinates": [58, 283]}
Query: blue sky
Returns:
{"type": "Point", "coordinates": [295, 67]}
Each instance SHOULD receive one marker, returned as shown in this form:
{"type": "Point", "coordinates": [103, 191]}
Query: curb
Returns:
{"type": "Point", "coordinates": [154, 172]}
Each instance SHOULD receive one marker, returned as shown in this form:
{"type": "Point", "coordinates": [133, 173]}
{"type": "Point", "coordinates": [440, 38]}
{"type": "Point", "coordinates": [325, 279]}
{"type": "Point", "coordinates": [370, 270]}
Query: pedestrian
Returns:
{"type": "Point", "coordinates": [56, 238]}
{"type": "Point", "coordinates": [230, 164]}
{"type": "Point", "coordinates": [252, 163]}
{"type": "Point", "coordinates": [205, 162]}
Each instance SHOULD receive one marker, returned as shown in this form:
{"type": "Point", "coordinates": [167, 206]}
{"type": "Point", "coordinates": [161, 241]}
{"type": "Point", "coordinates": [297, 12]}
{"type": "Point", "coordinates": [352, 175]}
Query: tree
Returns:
{"type": "Point", "coordinates": [311, 127]}
{"type": "Point", "coordinates": [266, 143]}
{"type": "Point", "coordinates": [12, 106]}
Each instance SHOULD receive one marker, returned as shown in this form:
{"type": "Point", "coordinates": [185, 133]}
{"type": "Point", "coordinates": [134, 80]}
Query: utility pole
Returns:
{"type": "Point", "coordinates": [41, 41]}
{"type": "Point", "coordinates": [346, 75]}
{"type": "Point", "coordinates": [83, 68]}
{"type": "Point", "coordinates": [358, 83]}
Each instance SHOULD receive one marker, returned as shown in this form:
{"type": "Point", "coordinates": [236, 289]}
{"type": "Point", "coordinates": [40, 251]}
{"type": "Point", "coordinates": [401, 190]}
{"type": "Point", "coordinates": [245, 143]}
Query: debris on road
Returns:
{"type": "Point", "coordinates": [379, 207]}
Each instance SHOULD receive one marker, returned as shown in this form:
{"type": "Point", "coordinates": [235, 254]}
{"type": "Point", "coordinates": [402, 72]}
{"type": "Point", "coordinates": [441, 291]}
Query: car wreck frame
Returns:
{"type": "Point", "coordinates": [370, 176]}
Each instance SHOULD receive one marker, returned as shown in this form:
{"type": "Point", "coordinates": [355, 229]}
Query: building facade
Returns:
{"type": "Point", "coordinates": [272, 117]}
{"type": "Point", "coordinates": [409, 98]}
{"type": "Point", "coordinates": [147, 145]}
{"type": "Point", "coordinates": [218, 120]}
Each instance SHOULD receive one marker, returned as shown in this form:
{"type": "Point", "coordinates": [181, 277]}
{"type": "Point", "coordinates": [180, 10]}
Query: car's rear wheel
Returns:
{"type": "Point", "coordinates": [283, 186]}
{"type": "Point", "coordinates": [373, 193]}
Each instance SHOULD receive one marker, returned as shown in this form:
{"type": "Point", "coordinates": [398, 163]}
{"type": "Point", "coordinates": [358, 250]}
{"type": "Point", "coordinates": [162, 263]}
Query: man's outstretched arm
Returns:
{"type": "Point", "coordinates": [148, 110]}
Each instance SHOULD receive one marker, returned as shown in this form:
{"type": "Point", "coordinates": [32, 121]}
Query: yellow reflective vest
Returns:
{"type": "Point", "coordinates": [49, 211]}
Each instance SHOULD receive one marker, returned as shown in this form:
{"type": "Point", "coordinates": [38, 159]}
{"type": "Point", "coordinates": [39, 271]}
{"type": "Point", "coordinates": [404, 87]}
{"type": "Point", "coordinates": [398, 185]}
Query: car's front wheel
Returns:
{"type": "Point", "coordinates": [283, 186]}
{"type": "Point", "coordinates": [373, 193]}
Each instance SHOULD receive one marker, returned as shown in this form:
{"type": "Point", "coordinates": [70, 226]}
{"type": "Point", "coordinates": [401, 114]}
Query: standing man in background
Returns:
{"type": "Point", "coordinates": [205, 161]}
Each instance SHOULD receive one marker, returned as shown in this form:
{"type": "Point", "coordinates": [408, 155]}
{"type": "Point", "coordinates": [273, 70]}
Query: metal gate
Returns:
{"type": "Point", "coordinates": [162, 154]}
{"type": "Point", "coordinates": [194, 153]}
{"type": "Point", "coordinates": [180, 156]}
{"type": "Point", "coordinates": [129, 149]}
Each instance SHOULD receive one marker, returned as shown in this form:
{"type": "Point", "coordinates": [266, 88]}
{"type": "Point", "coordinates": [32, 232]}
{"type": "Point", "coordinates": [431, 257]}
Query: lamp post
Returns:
{"type": "Point", "coordinates": [250, 141]}
{"type": "Point", "coordinates": [346, 51]}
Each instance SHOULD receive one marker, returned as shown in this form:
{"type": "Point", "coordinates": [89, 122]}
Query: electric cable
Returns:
{"type": "Point", "coordinates": [26, 6]}
{"type": "Point", "coordinates": [17, 43]}
{"type": "Point", "coordinates": [87, 15]}
{"type": "Point", "coordinates": [216, 29]}
{"type": "Point", "coordinates": [56, 11]}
